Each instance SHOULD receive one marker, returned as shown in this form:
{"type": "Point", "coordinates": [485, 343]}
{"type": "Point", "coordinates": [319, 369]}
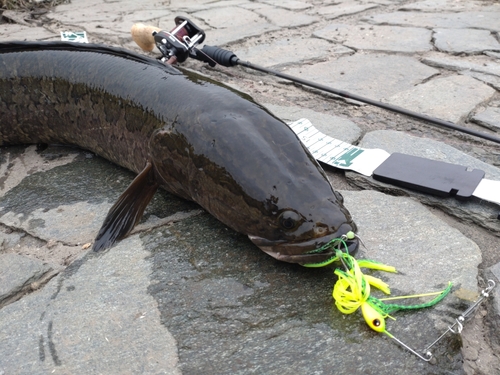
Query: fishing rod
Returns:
{"type": "Point", "coordinates": [180, 43]}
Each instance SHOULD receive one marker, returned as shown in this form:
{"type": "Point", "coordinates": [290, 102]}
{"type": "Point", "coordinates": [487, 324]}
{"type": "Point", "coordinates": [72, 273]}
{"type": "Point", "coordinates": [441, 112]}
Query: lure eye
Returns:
{"type": "Point", "coordinates": [373, 318]}
{"type": "Point", "coordinates": [289, 220]}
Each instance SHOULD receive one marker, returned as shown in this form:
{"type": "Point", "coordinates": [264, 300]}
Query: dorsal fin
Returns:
{"type": "Point", "coordinates": [128, 210]}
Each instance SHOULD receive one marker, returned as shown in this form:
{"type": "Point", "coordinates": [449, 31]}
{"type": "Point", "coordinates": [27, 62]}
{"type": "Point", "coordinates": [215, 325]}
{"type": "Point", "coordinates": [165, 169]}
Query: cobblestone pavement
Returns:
{"type": "Point", "coordinates": [185, 294]}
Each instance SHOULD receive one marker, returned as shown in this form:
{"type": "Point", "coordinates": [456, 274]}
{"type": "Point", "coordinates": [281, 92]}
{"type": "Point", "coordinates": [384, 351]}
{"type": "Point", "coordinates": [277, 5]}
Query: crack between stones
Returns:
{"type": "Point", "coordinates": [29, 287]}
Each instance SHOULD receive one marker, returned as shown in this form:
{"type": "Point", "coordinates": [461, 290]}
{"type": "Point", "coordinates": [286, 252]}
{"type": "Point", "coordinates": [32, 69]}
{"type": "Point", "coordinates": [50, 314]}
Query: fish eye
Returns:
{"type": "Point", "coordinates": [376, 322]}
{"type": "Point", "coordinates": [289, 220]}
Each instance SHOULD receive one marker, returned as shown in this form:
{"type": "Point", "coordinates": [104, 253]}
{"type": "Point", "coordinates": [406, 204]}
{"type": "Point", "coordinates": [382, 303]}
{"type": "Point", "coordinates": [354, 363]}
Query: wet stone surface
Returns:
{"type": "Point", "coordinates": [227, 303]}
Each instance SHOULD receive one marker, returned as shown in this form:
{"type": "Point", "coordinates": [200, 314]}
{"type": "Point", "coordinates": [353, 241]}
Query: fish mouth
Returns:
{"type": "Point", "coordinates": [303, 252]}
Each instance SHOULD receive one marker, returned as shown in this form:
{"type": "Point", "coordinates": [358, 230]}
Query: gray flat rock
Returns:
{"type": "Point", "coordinates": [342, 9]}
{"type": "Point", "coordinates": [447, 5]}
{"type": "Point", "coordinates": [96, 317]}
{"type": "Point", "coordinates": [20, 32]}
{"type": "Point", "coordinates": [228, 17]}
{"type": "Point", "coordinates": [107, 23]}
{"type": "Point", "coordinates": [378, 38]}
{"type": "Point", "coordinates": [465, 41]}
{"type": "Point", "coordinates": [489, 118]}
{"type": "Point", "coordinates": [189, 6]}
{"type": "Point", "coordinates": [479, 212]}
{"type": "Point", "coordinates": [283, 52]}
{"type": "Point", "coordinates": [496, 55]}
{"type": "Point", "coordinates": [147, 16]}
{"type": "Point", "coordinates": [493, 81]}
{"type": "Point", "coordinates": [286, 18]}
{"type": "Point", "coordinates": [249, 308]}
{"type": "Point", "coordinates": [479, 64]}
{"type": "Point", "coordinates": [334, 126]}
{"type": "Point", "coordinates": [289, 4]}
{"type": "Point", "coordinates": [374, 76]}
{"type": "Point", "coordinates": [57, 204]}
{"type": "Point", "coordinates": [450, 98]}
{"type": "Point", "coordinates": [401, 248]}
{"type": "Point", "coordinates": [479, 20]}
{"type": "Point", "coordinates": [233, 23]}
{"type": "Point", "coordinates": [17, 273]}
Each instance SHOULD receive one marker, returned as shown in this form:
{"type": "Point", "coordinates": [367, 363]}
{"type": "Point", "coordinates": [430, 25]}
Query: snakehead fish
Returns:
{"type": "Point", "coordinates": [178, 130]}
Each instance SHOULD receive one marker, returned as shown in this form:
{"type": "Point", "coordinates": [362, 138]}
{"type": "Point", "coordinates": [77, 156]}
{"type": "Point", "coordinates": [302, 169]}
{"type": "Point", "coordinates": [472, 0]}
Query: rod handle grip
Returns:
{"type": "Point", "coordinates": [143, 36]}
{"type": "Point", "coordinates": [220, 56]}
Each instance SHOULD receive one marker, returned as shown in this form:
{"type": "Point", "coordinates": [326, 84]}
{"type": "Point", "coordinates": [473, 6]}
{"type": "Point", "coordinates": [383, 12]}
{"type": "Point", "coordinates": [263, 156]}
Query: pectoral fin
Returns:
{"type": "Point", "coordinates": [128, 210]}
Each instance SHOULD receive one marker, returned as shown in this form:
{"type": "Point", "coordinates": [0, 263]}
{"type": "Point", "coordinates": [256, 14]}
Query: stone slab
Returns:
{"type": "Point", "coordinates": [475, 211]}
{"type": "Point", "coordinates": [74, 224]}
{"type": "Point", "coordinates": [496, 55]}
{"type": "Point", "coordinates": [148, 17]}
{"type": "Point", "coordinates": [186, 7]}
{"type": "Point", "coordinates": [489, 118]}
{"type": "Point", "coordinates": [233, 24]}
{"type": "Point", "coordinates": [343, 9]}
{"type": "Point", "coordinates": [474, 20]}
{"type": "Point", "coordinates": [57, 204]}
{"type": "Point", "coordinates": [493, 81]}
{"type": "Point", "coordinates": [17, 273]}
{"type": "Point", "coordinates": [374, 76]}
{"type": "Point", "coordinates": [20, 32]}
{"type": "Point", "coordinates": [446, 5]}
{"type": "Point", "coordinates": [283, 52]}
{"type": "Point", "coordinates": [109, 23]}
{"type": "Point", "coordinates": [221, 37]}
{"type": "Point", "coordinates": [17, 17]}
{"type": "Point", "coordinates": [449, 98]}
{"type": "Point", "coordinates": [18, 163]}
{"type": "Point", "coordinates": [479, 64]}
{"type": "Point", "coordinates": [228, 17]}
{"type": "Point", "coordinates": [334, 126]}
{"type": "Point", "coordinates": [465, 41]}
{"type": "Point", "coordinates": [96, 317]}
{"type": "Point", "coordinates": [248, 308]}
{"type": "Point", "coordinates": [378, 38]}
{"type": "Point", "coordinates": [289, 4]}
{"type": "Point", "coordinates": [286, 18]}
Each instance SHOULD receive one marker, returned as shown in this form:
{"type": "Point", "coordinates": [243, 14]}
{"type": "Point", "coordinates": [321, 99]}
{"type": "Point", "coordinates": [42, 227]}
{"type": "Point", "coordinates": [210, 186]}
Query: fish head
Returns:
{"type": "Point", "coordinates": [301, 233]}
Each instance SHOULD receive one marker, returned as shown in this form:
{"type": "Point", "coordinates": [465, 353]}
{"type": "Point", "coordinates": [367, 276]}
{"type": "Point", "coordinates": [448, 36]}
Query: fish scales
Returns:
{"type": "Point", "coordinates": [197, 138]}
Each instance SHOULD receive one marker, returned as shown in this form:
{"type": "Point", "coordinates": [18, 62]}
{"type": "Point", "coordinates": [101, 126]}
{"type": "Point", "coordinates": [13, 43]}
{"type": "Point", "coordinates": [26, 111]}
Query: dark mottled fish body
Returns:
{"type": "Point", "coordinates": [202, 141]}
